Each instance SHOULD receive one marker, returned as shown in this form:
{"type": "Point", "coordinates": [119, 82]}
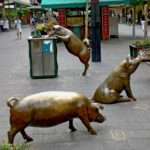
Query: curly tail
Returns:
{"type": "Point", "coordinates": [12, 101]}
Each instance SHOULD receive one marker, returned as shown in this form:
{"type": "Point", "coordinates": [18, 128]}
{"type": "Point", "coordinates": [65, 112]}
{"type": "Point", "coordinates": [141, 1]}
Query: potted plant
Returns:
{"type": "Point", "coordinates": [139, 45]}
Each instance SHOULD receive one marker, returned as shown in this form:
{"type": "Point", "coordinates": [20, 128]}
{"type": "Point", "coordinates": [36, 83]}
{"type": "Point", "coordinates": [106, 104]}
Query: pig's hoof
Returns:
{"type": "Point", "coordinates": [132, 99]}
{"type": "Point", "coordinates": [29, 139]}
{"type": "Point", "coordinates": [93, 132]}
{"type": "Point", "coordinates": [83, 74]}
{"type": "Point", "coordinates": [73, 129]}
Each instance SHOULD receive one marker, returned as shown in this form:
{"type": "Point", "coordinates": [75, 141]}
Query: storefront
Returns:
{"type": "Point", "coordinates": [71, 14]}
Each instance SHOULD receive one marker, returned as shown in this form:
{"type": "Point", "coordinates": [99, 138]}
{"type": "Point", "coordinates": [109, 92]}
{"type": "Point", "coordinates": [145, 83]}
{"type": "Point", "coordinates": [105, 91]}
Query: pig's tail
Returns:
{"type": "Point", "coordinates": [12, 101]}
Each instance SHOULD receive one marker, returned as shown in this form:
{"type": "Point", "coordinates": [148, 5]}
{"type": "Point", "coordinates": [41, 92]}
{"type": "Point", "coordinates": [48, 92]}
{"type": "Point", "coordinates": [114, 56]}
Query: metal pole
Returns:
{"type": "Point", "coordinates": [146, 21]}
{"type": "Point", "coordinates": [86, 19]}
{"type": "Point", "coordinates": [134, 19]}
{"type": "Point", "coordinates": [95, 26]}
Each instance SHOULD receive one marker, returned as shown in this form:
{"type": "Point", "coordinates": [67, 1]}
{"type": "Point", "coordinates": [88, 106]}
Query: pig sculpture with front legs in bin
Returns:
{"type": "Point", "coordinates": [74, 45]}
{"type": "Point", "coordinates": [51, 108]}
{"type": "Point", "coordinates": [119, 79]}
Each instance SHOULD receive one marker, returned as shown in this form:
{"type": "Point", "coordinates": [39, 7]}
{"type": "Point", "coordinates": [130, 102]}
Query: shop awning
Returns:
{"type": "Point", "coordinates": [80, 3]}
{"type": "Point", "coordinates": [117, 2]}
{"type": "Point", "coordinates": [112, 2]}
{"type": "Point", "coordinates": [63, 3]}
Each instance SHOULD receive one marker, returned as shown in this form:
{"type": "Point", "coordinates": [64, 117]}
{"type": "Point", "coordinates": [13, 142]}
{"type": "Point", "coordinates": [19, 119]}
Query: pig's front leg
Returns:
{"type": "Point", "coordinates": [25, 136]}
{"type": "Point", "coordinates": [64, 38]}
{"type": "Point", "coordinates": [129, 91]}
{"type": "Point", "coordinates": [71, 126]}
{"type": "Point", "coordinates": [84, 118]}
{"type": "Point", "coordinates": [86, 122]}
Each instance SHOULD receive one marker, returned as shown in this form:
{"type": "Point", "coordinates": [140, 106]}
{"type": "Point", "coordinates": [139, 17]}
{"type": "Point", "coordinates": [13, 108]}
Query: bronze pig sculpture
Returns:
{"type": "Point", "coordinates": [74, 45]}
{"type": "Point", "coordinates": [119, 79]}
{"type": "Point", "coordinates": [51, 108]}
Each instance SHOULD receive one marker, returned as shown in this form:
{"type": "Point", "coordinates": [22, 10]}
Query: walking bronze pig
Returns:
{"type": "Point", "coordinates": [51, 108]}
{"type": "Point", "coordinates": [74, 45]}
{"type": "Point", "coordinates": [119, 79]}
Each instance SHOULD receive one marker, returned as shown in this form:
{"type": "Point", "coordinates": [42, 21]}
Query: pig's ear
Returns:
{"type": "Point", "coordinates": [56, 27]}
{"type": "Point", "coordinates": [98, 105]}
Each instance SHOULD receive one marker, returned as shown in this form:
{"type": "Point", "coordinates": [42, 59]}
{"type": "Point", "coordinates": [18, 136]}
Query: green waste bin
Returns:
{"type": "Point", "coordinates": [43, 57]}
{"type": "Point", "coordinates": [133, 51]}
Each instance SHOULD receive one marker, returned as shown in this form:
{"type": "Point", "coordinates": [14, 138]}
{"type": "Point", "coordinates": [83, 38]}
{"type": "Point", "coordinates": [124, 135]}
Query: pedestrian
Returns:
{"type": "Point", "coordinates": [129, 18]}
{"type": "Point", "coordinates": [143, 22]}
{"type": "Point", "coordinates": [6, 25]}
{"type": "Point", "coordinates": [144, 25]}
{"type": "Point", "coordinates": [18, 28]}
{"type": "Point", "coordinates": [1, 24]}
{"type": "Point", "coordinates": [32, 23]}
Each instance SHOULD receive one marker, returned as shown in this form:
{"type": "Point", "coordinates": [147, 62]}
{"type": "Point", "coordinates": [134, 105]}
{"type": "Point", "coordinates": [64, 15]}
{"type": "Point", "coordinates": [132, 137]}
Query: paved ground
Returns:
{"type": "Point", "coordinates": [128, 124]}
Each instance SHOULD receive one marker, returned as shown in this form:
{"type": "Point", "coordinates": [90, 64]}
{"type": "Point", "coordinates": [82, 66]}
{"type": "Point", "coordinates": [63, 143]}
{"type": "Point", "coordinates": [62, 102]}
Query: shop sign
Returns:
{"type": "Point", "coordinates": [105, 23]}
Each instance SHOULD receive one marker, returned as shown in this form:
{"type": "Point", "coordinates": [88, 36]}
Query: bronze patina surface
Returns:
{"type": "Point", "coordinates": [119, 80]}
{"type": "Point", "coordinates": [74, 45]}
{"type": "Point", "coordinates": [51, 108]}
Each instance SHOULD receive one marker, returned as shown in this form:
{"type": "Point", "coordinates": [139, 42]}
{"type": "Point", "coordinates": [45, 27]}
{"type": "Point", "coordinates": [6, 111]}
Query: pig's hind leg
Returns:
{"type": "Point", "coordinates": [86, 66]}
{"type": "Point", "coordinates": [12, 133]}
{"type": "Point", "coordinates": [14, 130]}
{"type": "Point", "coordinates": [25, 136]}
{"type": "Point", "coordinates": [84, 58]}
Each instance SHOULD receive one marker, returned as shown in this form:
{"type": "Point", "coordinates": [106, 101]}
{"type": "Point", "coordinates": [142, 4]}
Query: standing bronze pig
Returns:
{"type": "Point", "coordinates": [119, 79]}
{"type": "Point", "coordinates": [74, 45]}
{"type": "Point", "coordinates": [51, 108]}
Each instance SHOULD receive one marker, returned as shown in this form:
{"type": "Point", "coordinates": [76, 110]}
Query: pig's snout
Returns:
{"type": "Point", "coordinates": [100, 118]}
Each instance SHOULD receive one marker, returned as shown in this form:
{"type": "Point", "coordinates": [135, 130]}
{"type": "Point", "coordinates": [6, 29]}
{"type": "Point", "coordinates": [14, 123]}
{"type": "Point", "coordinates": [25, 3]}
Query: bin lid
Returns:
{"type": "Point", "coordinates": [42, 38]}
{"type": "Point", "coordinates": [81, 3]}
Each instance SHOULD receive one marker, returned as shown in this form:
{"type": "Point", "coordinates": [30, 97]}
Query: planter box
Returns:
{"type": "Point", "coordinates": [134, 51]}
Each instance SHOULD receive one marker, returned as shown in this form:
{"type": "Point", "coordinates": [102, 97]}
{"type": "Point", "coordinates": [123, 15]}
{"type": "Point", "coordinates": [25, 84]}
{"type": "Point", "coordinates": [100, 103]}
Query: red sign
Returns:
{"type": "Point", "coordinates": [1, 1]}
{"type": "Point", "coordinates": [95, 1]}
{"type": "Point", "coordinates": [62, 17]}
{"type": "Point", "coordinates": [105, 23]}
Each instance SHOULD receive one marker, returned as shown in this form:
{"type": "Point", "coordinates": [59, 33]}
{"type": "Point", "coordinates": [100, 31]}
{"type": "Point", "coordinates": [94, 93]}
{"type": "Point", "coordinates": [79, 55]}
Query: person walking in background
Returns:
{"type": "Point", "coordinates": [6, 24]}
{"type": "Point", "coordinates": [129, 18]}
{"type": "Point", "coordinates": [18, 28]}
{"type": "Point", "coordinates": [144, 26]}
{"type": "Point", "coordinates": [1, 24]}
{"type": "Point", "coordinates": [143, 22]}
{"type": "Point", "coordinates": [32, 23]}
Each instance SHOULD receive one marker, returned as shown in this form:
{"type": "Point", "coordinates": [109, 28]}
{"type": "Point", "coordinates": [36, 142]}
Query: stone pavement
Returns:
{"type": "Point", "coordinates": [128, 124]}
